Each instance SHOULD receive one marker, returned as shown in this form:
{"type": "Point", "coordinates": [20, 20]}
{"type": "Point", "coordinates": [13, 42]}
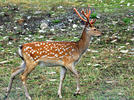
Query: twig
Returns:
{"type": "Point", "coordinates": [3, 62]}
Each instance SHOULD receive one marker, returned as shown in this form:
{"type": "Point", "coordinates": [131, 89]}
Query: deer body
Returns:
{"type": "Point", "coordinates": [50, 53]}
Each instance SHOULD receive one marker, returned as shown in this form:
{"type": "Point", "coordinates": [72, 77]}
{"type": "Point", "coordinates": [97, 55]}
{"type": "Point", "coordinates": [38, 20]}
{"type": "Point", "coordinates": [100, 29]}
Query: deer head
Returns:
{"type": "Point", "coordinates": [89, 26]}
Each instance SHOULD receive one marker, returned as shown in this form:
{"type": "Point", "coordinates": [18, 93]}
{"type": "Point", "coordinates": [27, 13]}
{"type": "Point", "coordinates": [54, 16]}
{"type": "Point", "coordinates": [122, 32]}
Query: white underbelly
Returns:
{"type": "Point", "coordinates": [50, 64]}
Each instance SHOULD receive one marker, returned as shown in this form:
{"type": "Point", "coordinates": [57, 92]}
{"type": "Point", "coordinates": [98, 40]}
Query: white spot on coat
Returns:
{"type": "Point", "coordinates": [56, 55]}
{"type": "Point", "coordinates": [72, 49]}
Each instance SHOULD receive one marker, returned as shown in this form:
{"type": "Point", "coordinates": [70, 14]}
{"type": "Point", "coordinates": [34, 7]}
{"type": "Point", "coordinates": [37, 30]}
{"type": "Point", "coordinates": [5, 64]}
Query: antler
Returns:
{"type": "Point", "coordinates": [79, 15]}
{"type": "Point", "coordinates": [87, 15]}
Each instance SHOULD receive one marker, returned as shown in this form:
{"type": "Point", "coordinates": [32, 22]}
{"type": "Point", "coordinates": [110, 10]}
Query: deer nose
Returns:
{"type": "Point", "coordinates": [100, 34]}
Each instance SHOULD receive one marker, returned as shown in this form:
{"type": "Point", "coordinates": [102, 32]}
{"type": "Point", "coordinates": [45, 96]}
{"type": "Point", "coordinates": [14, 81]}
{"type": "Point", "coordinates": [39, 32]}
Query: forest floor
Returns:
{"type": "Point", "coordinates": [106, 70]}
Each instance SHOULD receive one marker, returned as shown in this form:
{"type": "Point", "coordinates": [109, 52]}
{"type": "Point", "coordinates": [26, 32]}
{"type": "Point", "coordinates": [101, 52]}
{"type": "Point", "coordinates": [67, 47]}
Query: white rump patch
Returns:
{"type": "Point", "coordinates": [20, 52]}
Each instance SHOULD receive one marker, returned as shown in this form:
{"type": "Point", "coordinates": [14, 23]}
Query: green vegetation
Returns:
{"type": "Point", "coordinates": [94, 15]}
{"type": "Point", "coordinates": [127, 20]}
{"type": "Point", "coordinates": [48, 4]}
{"type": "Point", "coordinates": [106, 70]}
{"type": "Point", "coordinates": [56, 21]}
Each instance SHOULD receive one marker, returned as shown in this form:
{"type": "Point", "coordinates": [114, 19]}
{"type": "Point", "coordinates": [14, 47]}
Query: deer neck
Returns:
{"type": "Point", "coordinates": [84, 41]}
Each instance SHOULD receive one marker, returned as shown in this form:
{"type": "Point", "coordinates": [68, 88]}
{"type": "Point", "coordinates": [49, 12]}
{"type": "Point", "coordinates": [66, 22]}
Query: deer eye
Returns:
{"type": "Point", "coordinates": [95, 29]}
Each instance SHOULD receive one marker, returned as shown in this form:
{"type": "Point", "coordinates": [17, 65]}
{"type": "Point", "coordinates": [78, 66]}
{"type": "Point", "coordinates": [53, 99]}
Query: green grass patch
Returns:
{"type": "Point", "coordinates": [106, 73]}
{"type": "Point", "coordinates": [56, 21]}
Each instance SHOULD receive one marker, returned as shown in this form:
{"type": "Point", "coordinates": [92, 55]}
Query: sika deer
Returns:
{"type": "Point", "coordinates": [64, 54]}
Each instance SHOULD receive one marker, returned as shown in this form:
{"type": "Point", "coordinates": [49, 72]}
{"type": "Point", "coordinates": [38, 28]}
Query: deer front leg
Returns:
{"type": "Point", "coordinates": [62, 77]}
{"type": "Point", "coordinates": [74, 71]}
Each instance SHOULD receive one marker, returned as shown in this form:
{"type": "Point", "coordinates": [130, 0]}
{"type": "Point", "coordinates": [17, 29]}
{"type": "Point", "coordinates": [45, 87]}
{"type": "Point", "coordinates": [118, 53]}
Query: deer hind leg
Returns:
{"type": "Point", "coordinates": [62, 77]}
{"type": "Point", "coordinates": [15, 72]}
{"type": "Point", "coordinates": [74, 71]}
{"type": "Point", "coordinates": [29, 68]}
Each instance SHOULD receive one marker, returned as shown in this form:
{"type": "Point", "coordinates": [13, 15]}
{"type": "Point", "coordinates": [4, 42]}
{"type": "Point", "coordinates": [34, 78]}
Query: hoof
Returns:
{"type": "Point", "coordinates": [77, 93]}
{"type": "Point", "coordinates": [60, 96]}
{"type": "Point", "coordinates": [5, 98]}
{"type": "Point", "coordinates": [29, 98]}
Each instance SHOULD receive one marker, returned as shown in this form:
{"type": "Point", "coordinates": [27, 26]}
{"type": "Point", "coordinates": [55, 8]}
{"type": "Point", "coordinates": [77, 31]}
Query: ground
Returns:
{"type": "Point", "coordinates": [106, 70]}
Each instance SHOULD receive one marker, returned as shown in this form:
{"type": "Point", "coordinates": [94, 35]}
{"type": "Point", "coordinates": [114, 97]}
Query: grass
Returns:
{"type": "Point", "coordinates": [106, 73]}
{"type": "Point", "coordinates": [47, 4]}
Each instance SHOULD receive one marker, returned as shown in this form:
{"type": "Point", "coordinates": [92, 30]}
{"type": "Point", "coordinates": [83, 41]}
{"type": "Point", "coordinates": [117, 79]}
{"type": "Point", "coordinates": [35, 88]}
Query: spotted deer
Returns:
{"type": "Point", "coordinates": [55, 53]}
